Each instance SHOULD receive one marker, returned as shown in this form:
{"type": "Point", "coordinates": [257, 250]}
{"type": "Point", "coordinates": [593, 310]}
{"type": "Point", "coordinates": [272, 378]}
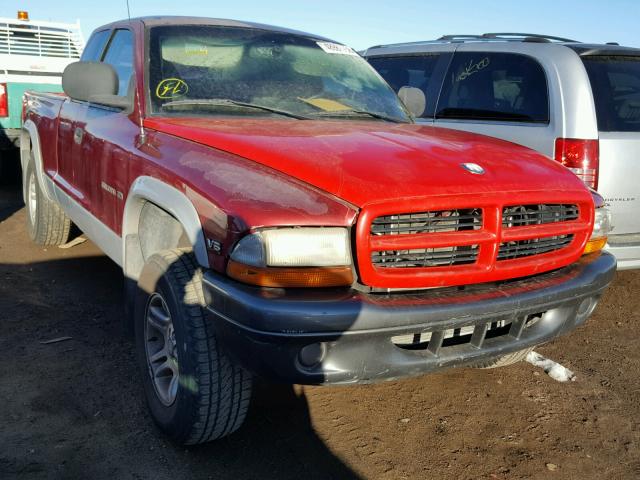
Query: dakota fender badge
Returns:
{"type": "Point", "coordinates": [109, 189]}
{"type": "Point", "coordinates": [473, 168]}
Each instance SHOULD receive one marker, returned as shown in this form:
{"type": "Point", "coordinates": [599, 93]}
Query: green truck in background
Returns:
{"type": "Point", "coordinates": [33, 55]}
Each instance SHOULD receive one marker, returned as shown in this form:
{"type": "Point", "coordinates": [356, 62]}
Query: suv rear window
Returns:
{"type": "Point", "coordinates": [494, 86]}
{"type": "Point", "coordinates": [615, 81]}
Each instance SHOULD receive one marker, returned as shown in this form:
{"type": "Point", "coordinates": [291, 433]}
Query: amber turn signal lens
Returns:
{"type": "Point", "coordinates": [299, 277]}
{"type": "Point", "coordinates": [595, 245]}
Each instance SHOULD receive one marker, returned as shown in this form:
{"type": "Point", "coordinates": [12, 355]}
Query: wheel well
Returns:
{"type": "Point", "coordinates": [156, 230]}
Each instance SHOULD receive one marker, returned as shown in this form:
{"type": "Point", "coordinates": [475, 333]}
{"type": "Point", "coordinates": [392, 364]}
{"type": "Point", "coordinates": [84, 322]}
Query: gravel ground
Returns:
{"type": "Point", "coordinates": [74, 409]}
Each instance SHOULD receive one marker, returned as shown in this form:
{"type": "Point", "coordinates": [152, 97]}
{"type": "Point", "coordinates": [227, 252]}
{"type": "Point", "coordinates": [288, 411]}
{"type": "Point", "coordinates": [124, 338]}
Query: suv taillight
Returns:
{"type": "Point", "coordinates": [582, 157]}
{"type": "Point", "coordinates": [4, 103]}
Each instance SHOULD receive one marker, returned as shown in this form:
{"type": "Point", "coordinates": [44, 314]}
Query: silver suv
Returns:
{"type": "Point", "coordinates": [575, 102]}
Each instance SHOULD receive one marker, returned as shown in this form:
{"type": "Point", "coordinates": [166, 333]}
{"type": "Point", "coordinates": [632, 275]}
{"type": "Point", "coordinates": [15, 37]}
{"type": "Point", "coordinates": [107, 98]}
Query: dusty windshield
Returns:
{"type": "Point", "coordinates": [210, 70]}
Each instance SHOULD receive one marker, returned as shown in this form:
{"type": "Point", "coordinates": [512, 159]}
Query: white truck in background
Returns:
{"type": "Point", "coordinates": [33, 55]}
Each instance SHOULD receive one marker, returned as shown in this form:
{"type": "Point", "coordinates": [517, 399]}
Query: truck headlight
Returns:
{"type": "Point", "coordinates": [293, 257]}
{"type": "Point", "coordinates": [601, 226]}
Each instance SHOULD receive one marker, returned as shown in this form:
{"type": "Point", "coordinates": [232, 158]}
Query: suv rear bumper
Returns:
{"type": "Point", "coordinates": [350, 333]}
{"type": "Point", "coordinates": [627, 254]}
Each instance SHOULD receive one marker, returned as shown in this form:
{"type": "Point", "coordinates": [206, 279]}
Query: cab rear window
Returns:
{"type": "Point", "coordinates": [490, 86]}
{"type": "Point", "coordinates": [615, 82]}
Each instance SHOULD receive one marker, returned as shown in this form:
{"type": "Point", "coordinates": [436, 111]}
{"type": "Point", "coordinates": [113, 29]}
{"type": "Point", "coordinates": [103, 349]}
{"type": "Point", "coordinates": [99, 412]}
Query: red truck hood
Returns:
{"type": "Point", "coordinates": [367, 162]}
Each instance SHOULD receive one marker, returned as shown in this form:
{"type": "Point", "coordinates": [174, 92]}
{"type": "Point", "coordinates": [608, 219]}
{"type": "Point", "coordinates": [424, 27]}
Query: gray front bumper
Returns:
{"type": "Point", "coordinates": [351, 331]}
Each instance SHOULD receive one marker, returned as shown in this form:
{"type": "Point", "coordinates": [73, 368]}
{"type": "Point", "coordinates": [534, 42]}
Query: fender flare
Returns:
{"type": "Point", "coordinates": [30, 132]}
{"type": "Point", "coordinates": [173, 201]}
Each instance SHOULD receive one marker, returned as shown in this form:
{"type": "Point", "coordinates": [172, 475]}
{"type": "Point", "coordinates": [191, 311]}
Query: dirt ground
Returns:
{"type": "Point", "coordinates": [75, 409]}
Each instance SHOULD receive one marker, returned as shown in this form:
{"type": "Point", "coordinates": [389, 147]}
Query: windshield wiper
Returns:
{"type": "Point", "coordinates": [358, 113]}
{"type": "Point", "coordinates": [226, 102]}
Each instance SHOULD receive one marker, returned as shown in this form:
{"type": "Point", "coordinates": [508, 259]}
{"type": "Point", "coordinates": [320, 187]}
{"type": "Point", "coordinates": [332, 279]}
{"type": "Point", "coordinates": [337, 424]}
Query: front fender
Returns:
{"type": "Point", "coordinates": [173, 201]}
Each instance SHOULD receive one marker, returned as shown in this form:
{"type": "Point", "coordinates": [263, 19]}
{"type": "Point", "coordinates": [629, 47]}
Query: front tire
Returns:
{"type": "Point", "coordinates": [195, 392]}
{"type": "Point", "coordinates": [46, 221]}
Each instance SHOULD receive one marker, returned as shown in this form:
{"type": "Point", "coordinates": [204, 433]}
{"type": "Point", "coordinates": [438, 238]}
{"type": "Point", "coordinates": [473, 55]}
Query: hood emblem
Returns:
{"type": "Point", "coordinates": [473, 168]}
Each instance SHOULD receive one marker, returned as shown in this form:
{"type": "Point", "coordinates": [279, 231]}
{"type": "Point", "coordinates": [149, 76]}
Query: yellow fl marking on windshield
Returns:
{"type": "Point", "coordinates": [171, 88]}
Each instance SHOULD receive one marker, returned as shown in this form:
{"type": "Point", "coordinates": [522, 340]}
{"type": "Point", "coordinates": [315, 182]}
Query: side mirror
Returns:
{"type": "Point", "coordinates": [414, 99]}
{"type": "Point", "coordinates": [83, 80]}
{"type": "Point", "coordinates": [94, 82]}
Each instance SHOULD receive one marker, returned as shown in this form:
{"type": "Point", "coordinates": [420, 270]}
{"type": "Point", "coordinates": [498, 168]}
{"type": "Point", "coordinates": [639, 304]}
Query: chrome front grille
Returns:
{"type": "Point", "coordinates": [428, 222]}
{"type": "Point", "coordinates": [426, 257]}
{"type": "Point", "coordinates": [533, 246]}
{"type": "Point", "coordinates": [522, 215]}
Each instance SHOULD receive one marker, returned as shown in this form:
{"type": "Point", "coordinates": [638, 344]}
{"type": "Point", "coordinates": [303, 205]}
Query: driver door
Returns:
{"type": "Point", "coordinates": [107, 139]}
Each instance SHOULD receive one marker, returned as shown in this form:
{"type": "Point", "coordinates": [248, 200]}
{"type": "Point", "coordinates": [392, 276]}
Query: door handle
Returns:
{"type": "Point", "coordinates": [78, 133]}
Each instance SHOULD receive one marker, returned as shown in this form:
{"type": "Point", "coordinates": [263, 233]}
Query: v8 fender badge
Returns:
{"type": "Point", "coordinates": [473, 168]}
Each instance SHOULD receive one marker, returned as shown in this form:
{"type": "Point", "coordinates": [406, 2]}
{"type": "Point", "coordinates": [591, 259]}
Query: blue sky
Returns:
{"type": "Point", "coordinates": [361, 23]}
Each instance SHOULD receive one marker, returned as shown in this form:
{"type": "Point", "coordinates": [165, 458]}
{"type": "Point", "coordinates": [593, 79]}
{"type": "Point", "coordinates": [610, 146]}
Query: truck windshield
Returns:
{"type": "Point", "coordinates": [213, 70]}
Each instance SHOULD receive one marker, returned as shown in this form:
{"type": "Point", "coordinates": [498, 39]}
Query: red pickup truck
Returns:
{"type": "Point", "coordinates": [277, 212]}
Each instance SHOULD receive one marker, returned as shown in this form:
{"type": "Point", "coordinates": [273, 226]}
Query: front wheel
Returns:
{"type": "Point", "coordinates": [195, 392]}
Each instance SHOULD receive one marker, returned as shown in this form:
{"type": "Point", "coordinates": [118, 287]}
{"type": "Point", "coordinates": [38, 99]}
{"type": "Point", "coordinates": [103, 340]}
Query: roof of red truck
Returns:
{"type": "Point", "coordinates": [169, 20]}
